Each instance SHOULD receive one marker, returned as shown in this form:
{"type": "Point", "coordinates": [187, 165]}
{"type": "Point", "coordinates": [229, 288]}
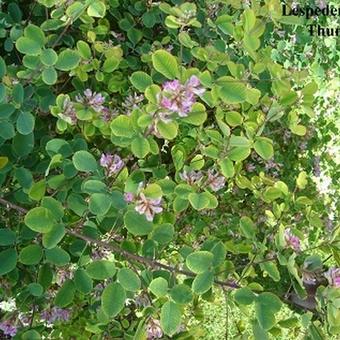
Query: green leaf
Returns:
{"type": "Point", "coordinates": [113, 299]}
{"type": "Point", "coordinates": [99, 204]}
{"type": "Point", "coordinates": [264, 148]}
{"type": "Point", "coordinates": [53, 237]}
{"type": "Point", "coordinates": [31, 335]}
{"type": "Point", "coordinates": [244, 296]}
{"type": "Point", "coordinates": [271, 269]}
{"type": "Point", "coordinates": [83, 281]}
{"type": "Point", "coordinates": [199, 261]}
{"type": "Point", "coordinates": [40, 220]}
{"type": "Point", "coordinates": [84, 161]}
{"type": "Point", "coordinates": [25, 123]}
{"type": "Point", "coordinates": [54, 206]}
{"type": "Point", "coordinates": [227, 168]}
{"type": "Point", "coordinates": [110, 64]}
{"type": "Point", "coordinates": [101, 269]}
{"type": "Point", "coordinates": [122, 127]}
{"type": "Point", "coordinates": [96, 9]}
{"type": "Point", "coordinates": [137, 224]}
{"type": "Point", "coordinates": [65, 294]}
{"type": "Point", "coordinates": [35, 289]}
{"type": "Point", "coordinates": [163, 233]}
{"type": "Point", "coordinates": [3, 68]}
{"type": "Point", "coordinates": [67, 60]}
{"type": "Point", "coordinates": [239, 153]}
{"type": "Point", "coordinates": [165, 63]}
{"type": "Point", "coordinates": [7, 130]}
{"type": "Point", "coordinates": [266, 305]}
{"type": "Point", "coordinates": [140, 147]}
{"type": "Point", "coordinates": [301, 180]}
{"type": "Point", "coordinates": [233, 118]}
{"type": "Point", "coordinates": [28, 46]}
{"type": "Point", "coordinates": [233, 92]}
{"type": "Point", "coordinates": [8, 260]}
{"type": "Point", "coordinates": [170, 318]}
{"type": "Point", "coordinates": [49, 76]}
{"type": "Point", "coordinates": [48, 57]}
{"type": "Point", "coordinates": [7, 237]}
{"type": "Point", "coordinates": [198, 201]}
{"type": "Point", "coordinates": [37, 191]}
{"type": "Point", "coordinates": [197, 116]}
{"type": "Point", "coordinates": [129, 279]}
{"type": "Point", "coordinates": [57, 256]}
{"type": "Point", "coordinates": [140, 80]}
{"type": "Point", "coordinates": [35, 33]}
{"type": "Point", "coordinates": [247, 227]}
{"type": "Point", "coordinates": [30, 255]}
{"type": "Point", "coordinates": [167, 130]}
{"type": "Point", "coordinates": [181, 294]}
{"type": "Point", "coordinates": [203, 282]}
{"type": "Point", "coordinates": [159, 287]}
{"type": "Point", "coordinates": [3, 162]}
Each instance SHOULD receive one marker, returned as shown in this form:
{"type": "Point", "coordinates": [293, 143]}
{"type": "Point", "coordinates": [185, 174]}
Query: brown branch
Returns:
{"type": "Point", "coordinates": [10, 205]}
{"type": "Point", "coordinates": [129, 256]}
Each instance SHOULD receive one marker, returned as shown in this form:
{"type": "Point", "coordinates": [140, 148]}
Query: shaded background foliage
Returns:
{"type": "Point", "coordinates": [150, 152]}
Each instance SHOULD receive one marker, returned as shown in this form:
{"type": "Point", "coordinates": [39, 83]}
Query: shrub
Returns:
{"type": "Point", "coordinates": [148, 153]}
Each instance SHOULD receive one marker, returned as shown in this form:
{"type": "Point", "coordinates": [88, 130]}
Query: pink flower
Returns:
{"type": "Point", "coordinates": [147, 206]}
{"type": "Point", "coordinates": [192, 177]}
{"type": "Point", "coordinates": [292, 240]}
{"type": "Point", "coordinates": [55, 314]}
{"type": "Point", "coordinates": [193, 85]}
{"type": "Point", "coordinates": [129, 197]}
{"type": "Point", "coordinates": [69, 112]}
{"type": "Point", "coordinates": [106, 160]}
{"type": "Point", "coordinates": [153, 329]}
{"type": "Point", "coordinates": [333, 277]}
{"type": "Point", "coordinates": [8, 328]}
{"type": "Point", "coordinates": [215, 182]}
{"type": "Point", "coordinates": [178, 98]}
{"type": "Point", "coordinates": [112, 163]}
{"type": "Point", "coordinates": [92, 99]}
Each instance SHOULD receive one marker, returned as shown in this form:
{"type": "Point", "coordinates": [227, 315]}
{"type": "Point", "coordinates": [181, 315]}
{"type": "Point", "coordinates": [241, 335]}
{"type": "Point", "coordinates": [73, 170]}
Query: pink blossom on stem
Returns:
{"type": "Point", "coordinates": [92, 99]}
{"type": "Point", "coordinates": [333, 277]}
{"type": "Point", "coordinates": [112, 163]}
{"type": "Point", "coordinates": [292, 240]}
{"type": "Point", "coordinates": [178, 98]}
{"type": "Point", "coordinates": [191, 177]}
{"type": "Point", "coordinates": [148, 207]}
{"type": "Point", "coordinates": [153, 329]}
{"type": "Point", "coordinates": [55, 314]}
{"type": "Point", "coordinates": [129, 197]}
{"type": "Point", "coordinates": [8, 328]}
{"type": "Point", "coordinates": [215, 182]}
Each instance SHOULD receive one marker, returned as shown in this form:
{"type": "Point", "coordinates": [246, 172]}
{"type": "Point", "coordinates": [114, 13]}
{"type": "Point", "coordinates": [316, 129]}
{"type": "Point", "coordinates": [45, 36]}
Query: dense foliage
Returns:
{"type": "Point", "coordinates": [153, 151]}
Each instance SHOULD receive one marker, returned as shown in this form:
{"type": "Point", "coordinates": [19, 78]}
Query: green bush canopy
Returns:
{"type": "Point", "coordinates": [156, 155]}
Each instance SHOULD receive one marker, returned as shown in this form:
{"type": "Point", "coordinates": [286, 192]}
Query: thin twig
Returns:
{"type": "Point", "coordinates": [129, 256]}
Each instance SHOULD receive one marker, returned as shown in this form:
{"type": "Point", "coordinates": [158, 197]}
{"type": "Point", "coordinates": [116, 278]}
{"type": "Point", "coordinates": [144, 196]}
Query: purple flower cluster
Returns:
{"type": "Point", "coordinates": [215, 182]}
{"type": "Point", "coordinates": [178, 98]}
{"type": "Point", "coordinates": [153, 329]}
{"type": "Point", "coordinates": [292, 240]}
{"type": "Point", "coordinates": [191, 177]}
{"type": "Point", "coordinates": [8, 328]}
{"type": "Point", "coordinates": [148, 207]}
{"type": "Point", "coordinates": [92, 99]}
{"type": "Point", "coordinates": [132, 102]}
{"type": "Point", "coordinates": [112, 163]}
{"type": "Point", "coordinates": [333, 277]}
{"type": "Point", "coordinates": [69, 112]}
{"type": "Point", "coordinates": [55, 314]}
